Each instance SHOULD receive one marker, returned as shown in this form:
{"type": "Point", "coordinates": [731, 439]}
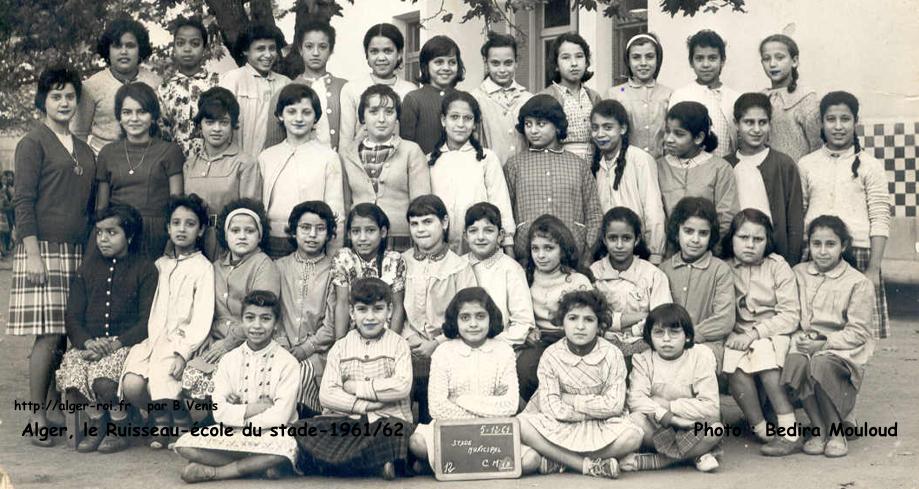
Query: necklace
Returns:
{"type": "Point", "coordinates": [143, 155]}
{"type": "Point", "coordinates": [71, 151]}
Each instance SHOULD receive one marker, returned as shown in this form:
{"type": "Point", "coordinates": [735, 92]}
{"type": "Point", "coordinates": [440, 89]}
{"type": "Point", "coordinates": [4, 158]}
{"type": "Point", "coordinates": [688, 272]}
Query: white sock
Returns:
{"type": "Point", "coordinates": [787, 421]}
{"type": "Point", "coordinates": [586, 465]}
{"type": "Point", "coordinates": [760, 430]}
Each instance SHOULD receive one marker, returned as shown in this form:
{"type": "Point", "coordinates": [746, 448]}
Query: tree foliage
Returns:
{"type": "Point", "coordinates": [39, 33]}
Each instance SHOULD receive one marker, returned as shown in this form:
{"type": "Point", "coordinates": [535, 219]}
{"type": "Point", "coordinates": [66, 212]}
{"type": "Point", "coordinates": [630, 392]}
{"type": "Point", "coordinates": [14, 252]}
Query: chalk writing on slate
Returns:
{"type": "Point", "coordinates": [477, 449]}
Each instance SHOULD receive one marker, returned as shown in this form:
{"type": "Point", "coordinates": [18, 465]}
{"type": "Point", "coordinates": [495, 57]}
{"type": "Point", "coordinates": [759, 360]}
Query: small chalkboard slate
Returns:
{"type": "Point", "coordinates": [471, 449]}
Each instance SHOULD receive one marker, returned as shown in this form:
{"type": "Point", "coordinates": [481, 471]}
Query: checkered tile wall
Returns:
{"type": "Point", "coordinates": [896, 144]}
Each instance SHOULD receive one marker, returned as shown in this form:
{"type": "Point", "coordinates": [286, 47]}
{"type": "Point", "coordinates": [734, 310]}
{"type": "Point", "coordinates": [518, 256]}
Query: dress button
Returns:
{"type": "Point", "coordinates": [111, 269]}
{"type": "Point", "coordinates": [548, 173]}
{"type": "Point", "coordinates": [106, 315]}
{"type": "Point", "coordinates": [108, 279]}
{"type": "Point", "coordinates": [226, 294]}
{"type": "Point", "coordinates": [331, 131]}
{"type": "Point", "coordinates": [108, 304]}
{"type": "Point", "coordinates": [108, 292]}
{"type": "Point", "coordinates": [328, 111]}
{"type": "Point", "coordinates": [366, 357]}
{"type": "Point", "coordinates": [367, 379]}
{"type": "Point", "coordinates": [549, 199]}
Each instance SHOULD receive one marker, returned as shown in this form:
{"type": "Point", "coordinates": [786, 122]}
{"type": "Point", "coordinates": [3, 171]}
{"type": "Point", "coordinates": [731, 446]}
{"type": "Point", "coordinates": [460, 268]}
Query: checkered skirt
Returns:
{"type": "Point", "coordinates": [39, 309]}
{"type": "Point", "coordinates": [347, 454]}
{"type": "Point", "coordinates": [882, 317]}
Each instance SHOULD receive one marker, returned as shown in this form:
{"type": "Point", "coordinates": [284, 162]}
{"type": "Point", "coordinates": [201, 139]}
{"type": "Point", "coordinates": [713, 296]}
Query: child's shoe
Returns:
{"type": "Point", "coordinates": [780, 447]}
{"type": "Point", "coordinates": [815, 446]}
{"type": "Point", "coordinates": [837, 447]}
{"type": "Point", "coordinates": [706, 462]}
{"type": "Point", "coordinates": [549, 466]}
{"type": "Point", "coordinates": [608, 468]}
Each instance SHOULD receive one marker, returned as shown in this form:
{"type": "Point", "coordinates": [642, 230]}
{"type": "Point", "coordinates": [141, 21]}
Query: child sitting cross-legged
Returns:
{"type": "Point", "coordinates": [577, 420]}
{"type": "Point", "coordinates": [672, 386]}
{"type": "Point", "coordinates": [255, 384]}
{"type": "Point", "coordinates": [366, 385]}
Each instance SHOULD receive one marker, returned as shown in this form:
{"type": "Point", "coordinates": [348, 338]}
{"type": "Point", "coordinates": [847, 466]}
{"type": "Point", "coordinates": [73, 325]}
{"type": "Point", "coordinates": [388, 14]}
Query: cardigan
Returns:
{"type": "Point", "coordinates": [499, 122]}
{"type": "Point", "coordinates": [111, 297]}
{"type": "Point", "coordinates": [712, 178]}
{"type": "Point", "coordinates": [420, 119]}
{"type": "Point", "coordinates": [639, 191]}
{"type": "Point", "coordinates": [795, 126]}
{"type": "Point", "coordinates": [863, 203]}
{"type": "Point", "coordinates": [311, 171]}
{"type": "Point", "coordinates": [470, 382]}
{"type": "Point", "coordinates": [405, 175]}
{"type": "Point", "coordinates": [254, 92]}
{"type": "Point", "coordinates": [380, 367]}
{"type": "Point", "coordinates": [331, 113]}
{"type": "Point", "coordinates": [786, 205]}
{"type": "Point", "coordinates": [352, 130]}
{"type": "Point", "coordinates": [95, 120]}
{"type": "Point", "coordinates": [51, 201]}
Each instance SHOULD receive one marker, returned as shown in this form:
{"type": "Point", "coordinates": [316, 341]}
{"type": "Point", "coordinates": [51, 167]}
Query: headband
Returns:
{"type": "Point", "coordinates": [639, 37]}
{"type": "Point", "coordinates": [245, 212]}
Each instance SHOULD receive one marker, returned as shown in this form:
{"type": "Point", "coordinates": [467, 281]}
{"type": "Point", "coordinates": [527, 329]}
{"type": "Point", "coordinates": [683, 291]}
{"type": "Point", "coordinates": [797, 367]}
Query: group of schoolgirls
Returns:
{"type": "Point", "coordinates": [454, 324]}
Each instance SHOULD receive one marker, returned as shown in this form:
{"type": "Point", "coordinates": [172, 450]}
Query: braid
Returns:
{"type": "Point", "coordinates": [437, 152]}
{"type": "Point", "coordinates": [858, 161]}
{"type": "Point", "coordinates": [595, 160]}
{"type": "Point", "coordinates": [479, 151]}
{"type": "Point", "coordinates": [793, 84]}
{"type": "Point", "coordinates": [620, 161]}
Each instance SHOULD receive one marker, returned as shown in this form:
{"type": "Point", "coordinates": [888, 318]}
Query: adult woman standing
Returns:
{"type": "Point", "coordinates": [140, 169]}
{"type": "Point", "coordinates": [123, 45]}
{"type": "Point", "coordinates": [52, 203]}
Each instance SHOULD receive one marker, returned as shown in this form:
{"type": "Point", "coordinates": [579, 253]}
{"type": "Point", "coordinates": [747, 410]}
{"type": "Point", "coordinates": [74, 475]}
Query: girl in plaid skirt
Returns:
{"type": "Point", "coordinates": [54, 185]}
{"type": "Point", "coordinates": [367, 417]}
{"type": "Point", "coordinates": [672, 387]}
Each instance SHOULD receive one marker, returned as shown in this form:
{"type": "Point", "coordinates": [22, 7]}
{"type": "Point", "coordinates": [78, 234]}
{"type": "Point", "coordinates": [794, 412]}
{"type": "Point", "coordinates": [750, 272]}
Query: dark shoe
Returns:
{"type": "Point", "coordinates": [91, 443]}
{"type": "Point", "coordinates": [781, 446]}
{"type": "Point", "coordinates": [113, 443]}
{"type": "Point", "coordinates": [388, 472]}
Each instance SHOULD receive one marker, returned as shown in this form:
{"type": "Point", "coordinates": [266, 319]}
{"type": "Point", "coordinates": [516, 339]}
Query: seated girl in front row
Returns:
{"type": "Point", "coordinates": [255, 384]}
{"type": "Point", "coordinates": [366, 384]}
{"type": "Point", "coordinates": [826, 363]}
{"type": "Point", "coordinates": [578, 419]}
{"type": "Point", "coordinates": [107, 313]}
{"type": "Point", "coordinates": [180, 319]}
{"type": "Point", "coordinates": [767, 313]}
{"type": "Point", "coordinates": [473, 374]}
{"type": "Point", "coordinates": [673, 386]}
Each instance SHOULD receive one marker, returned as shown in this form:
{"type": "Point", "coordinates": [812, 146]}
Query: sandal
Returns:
{"type": "Point", "coordinates": [195, 472]}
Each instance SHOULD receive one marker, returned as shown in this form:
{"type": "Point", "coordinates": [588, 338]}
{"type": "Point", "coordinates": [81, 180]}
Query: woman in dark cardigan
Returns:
{"type": "Point", "coordinates": [54, 192]}
{"type": "Point", "coordinates": [782, 182]}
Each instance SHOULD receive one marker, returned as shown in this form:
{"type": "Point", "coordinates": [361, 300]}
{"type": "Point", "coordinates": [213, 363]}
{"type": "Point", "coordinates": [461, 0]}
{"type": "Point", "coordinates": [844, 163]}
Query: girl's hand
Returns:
{"type": "Point", "coordinates": [177, 367]}
{"type": "Point", "coordinates": [681, 423]}
{"type": "Point", "coordinates": [233, 398]}
{"type": "Point", "coordinates": [90, 356]}
{"type": "Point", "coordinates": [299, 353]}
{"type": "Point", "coordinates": [740, 342]}
{"type": "Point", "coordinates": [609, 335]}
{"type": "Point", "coordinates": [374, 406]}
{"type": "Point", "coordinates": [414, 341]}
{"type": "Point", "coordinates": [97, 346]}
{"type": "Point", "coordinates": [35, 269]}
{"type": "Point", "coordinates": [215, 352]}
{"type": "Point", "coordinates": [425, 349]}
{"type": "Point", "coordinates": [533, 337]}
{"type": "Point", "coordinates": [350, 387]}
{"type": "Point", "coordinates": [808, 346]}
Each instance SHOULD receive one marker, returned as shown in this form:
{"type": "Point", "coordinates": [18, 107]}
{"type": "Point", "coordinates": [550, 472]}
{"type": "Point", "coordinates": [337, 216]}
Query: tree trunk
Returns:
{"type": "Point", "coordinates": [233, 20]}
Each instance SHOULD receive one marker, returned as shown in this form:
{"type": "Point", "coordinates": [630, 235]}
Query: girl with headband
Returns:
{"type": "Point", "coordinates": [643, 97]}
{"type": "Point", "coordinates": [244, 268]}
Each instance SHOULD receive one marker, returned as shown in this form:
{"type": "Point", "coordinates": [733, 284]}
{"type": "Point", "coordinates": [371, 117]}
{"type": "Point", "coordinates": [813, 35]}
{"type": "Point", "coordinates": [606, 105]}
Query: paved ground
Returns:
{"type": "Point", "coordinates": [890, 395]}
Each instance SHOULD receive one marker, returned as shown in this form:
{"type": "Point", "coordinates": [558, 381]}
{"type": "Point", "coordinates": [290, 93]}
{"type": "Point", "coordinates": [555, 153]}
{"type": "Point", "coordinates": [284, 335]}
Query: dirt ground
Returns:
{"type": "Point", "coordinates": [890, 395]}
